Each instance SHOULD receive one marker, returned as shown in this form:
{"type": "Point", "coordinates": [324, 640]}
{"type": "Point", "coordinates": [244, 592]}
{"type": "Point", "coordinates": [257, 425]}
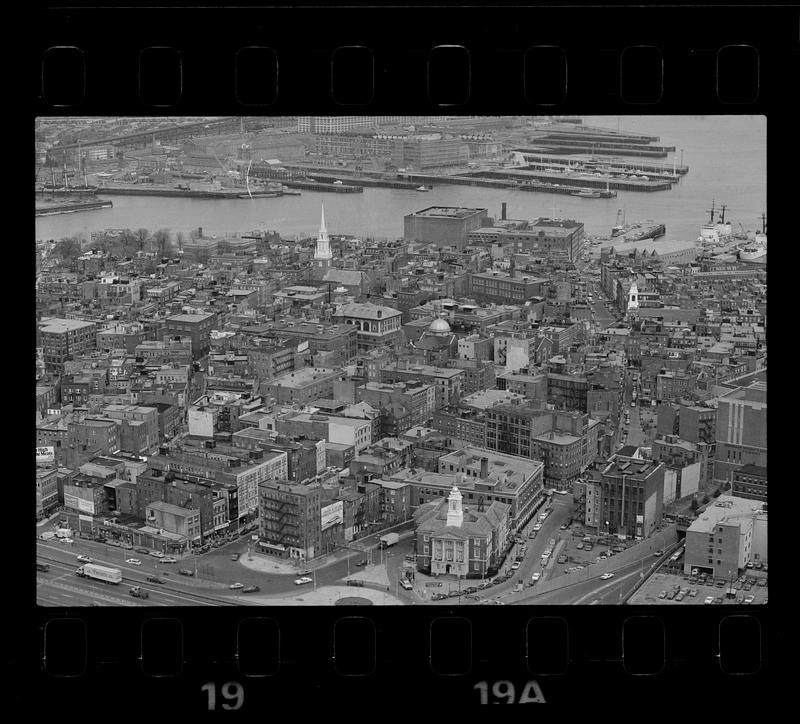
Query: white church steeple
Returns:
{"type": "Point", "coordinates": [455, 513]}
{"type": "Point", "coordinates": [323, 249]}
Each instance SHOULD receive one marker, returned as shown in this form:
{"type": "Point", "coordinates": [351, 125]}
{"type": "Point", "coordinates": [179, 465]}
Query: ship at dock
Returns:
{"type": "Point", "coordinates": [756, 250]}
{"type": "Point", "coordinates": [637, 230]}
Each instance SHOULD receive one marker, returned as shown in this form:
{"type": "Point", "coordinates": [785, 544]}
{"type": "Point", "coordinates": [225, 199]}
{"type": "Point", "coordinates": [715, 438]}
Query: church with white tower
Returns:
{"type": "Point", "coordinates": [322, 253]}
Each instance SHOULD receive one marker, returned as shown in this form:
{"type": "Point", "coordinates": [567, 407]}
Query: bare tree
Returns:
{"type": "Point", "coordinates": [141, 238]}
{"type": "Point", "coordinates": [69, 249]}
{"type": "Point", "coordinates": [162, 242]}
{"type": "Point", "coordinates": [180, 238]}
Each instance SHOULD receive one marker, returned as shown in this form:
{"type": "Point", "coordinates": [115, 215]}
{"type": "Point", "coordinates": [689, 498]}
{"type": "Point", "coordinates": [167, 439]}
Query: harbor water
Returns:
{"type": "Point", "coordinates": [726, 156]}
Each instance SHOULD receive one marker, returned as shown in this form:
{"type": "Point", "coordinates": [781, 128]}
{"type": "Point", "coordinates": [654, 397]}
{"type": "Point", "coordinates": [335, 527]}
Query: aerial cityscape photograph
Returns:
{"type": "Point", "coordinates": [401, 360]}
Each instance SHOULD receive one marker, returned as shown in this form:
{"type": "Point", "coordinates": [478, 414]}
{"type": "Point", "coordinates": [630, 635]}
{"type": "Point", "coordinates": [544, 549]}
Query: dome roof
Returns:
{"type": "Point", "coordinates": [439, 326]}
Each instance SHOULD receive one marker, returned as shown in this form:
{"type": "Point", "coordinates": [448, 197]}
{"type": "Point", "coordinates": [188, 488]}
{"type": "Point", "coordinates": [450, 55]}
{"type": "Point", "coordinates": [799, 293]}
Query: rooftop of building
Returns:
{"type": "Point", "coordinates": [366, 310]}
{"type": "Point", "coordinates": [488, 398]}
{"type": "Point", "coordinates": [514, 469]}
{"type": "Point", "coordinates": [630, 467]}
{"type": "Point", "coordinates": [448, 212]}
{"type": "Point", "coordinates": [726, 510]}
{"type": "Point", "coordinates": [189, 318]}
{"type": "Point", "coordinates": [754, 470]}
{"type": "Point", "coordinates": [427, 370]}
{"type": "Point", "coordinates": [302, 377]}
{"type": "Point", "coordinates": [59, 326]}
{"type": "Point", "coordinates": [172, 509]}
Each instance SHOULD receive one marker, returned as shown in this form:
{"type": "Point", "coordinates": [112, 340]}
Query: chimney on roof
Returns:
{"type": "Point", "coordinates": [503, 212]}
{"type": "Point", "coordinates": [484, 467]}
{"type": "Point", "coordinates": [200, 231]}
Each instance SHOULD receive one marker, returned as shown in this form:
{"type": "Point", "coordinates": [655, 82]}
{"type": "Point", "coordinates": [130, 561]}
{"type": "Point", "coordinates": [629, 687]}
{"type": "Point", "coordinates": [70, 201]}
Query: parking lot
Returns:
{"type": "Point", "coordinates": [580, 549]}
{"type": "Point", "coordinates": [665, 588]}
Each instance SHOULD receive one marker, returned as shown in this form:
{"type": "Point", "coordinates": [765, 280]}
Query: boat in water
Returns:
{"type": "Point", "coordinates": [587, 194]}
{"type": "Point", "coordinates": [716, 233]}
{"type": "Point", "coordinates": [756, 250]}
{"type": "Point", "coordinates": [422, 188]}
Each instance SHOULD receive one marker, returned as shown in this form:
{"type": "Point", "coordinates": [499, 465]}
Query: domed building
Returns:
{"type": "Point", "coordinates": [438, 343]}
{"type": "Point", "coordinates": [439, 327]}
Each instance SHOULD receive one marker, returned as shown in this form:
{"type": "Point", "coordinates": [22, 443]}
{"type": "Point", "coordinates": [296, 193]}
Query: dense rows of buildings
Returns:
{"type": "Point", "coordinates": [322, 390]}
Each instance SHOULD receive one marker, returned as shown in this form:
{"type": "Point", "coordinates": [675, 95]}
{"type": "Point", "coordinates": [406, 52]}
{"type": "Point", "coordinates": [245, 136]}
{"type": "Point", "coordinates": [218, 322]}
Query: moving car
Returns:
{"type": "Point", "coordinates": [362, 562]}
{"type": "Point", "coordinates": [169, 559]}
{"type": "Point", "coordinates": [235, 556]}
{"type": "Point", "coordinates": [302, 581]}
{"type": "Point", "coordinates": [185, 572]}
{"type": "Point", "coordinates": [66, 540]}
{"type": "Point", "coordinates": [304, 572]}
{"type": "Point", "coordinates": [251, 589]}
{"type": "Point", "coordinates": [235, 586]}
{"type": "Point", "coordinates": [133, 561]}
{"type": "Point", "coordinates": [606, 576]}
{"type": "Point", "coordinates": [143, 551]}
{"type": "Point", "coordinates": [515, 565]}
{"type": "Point", "coordinates": [85, 559]}
{"type": "Point", "coordinates": [535, 577]}
{"type": "Point", "coordinates": [352, 582]}
{"type": "Point", "coordinates": [155, 579]}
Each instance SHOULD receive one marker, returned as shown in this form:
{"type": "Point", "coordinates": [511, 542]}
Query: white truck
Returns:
{"type": "Point", "coordinates": [47, 535]}
{"type": "Point", "coordinates": [389, 540]}
{"type": "Point", "coordinates": [99, 573]}
{"type": "Point", "coordinates": [64, 533]}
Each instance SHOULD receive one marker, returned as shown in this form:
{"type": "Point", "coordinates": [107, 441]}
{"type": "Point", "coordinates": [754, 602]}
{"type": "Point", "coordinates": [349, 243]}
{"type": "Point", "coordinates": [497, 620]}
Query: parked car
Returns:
{"type": "Point", "coordinates": [762, 582]}
{"type": "Point", "coordinates": [579, 546]}
{"type": "Point", "coordinates": [535, 577]}
{"type": "Point", "coordinates": [564, 526]}
{"type": "Point", "coordinates": [251, 589]}
{"type": "Point", "coordinates": [759, 565]}
{"type": "Point", "coordinates": [304, 572]}
{"type": "Point", "coordinates": [562, 558]}
{"type": "Point", "coordinates": [662, 594]}
{"type": "Point", "coordinates": [362, 562]}
{"type": "Point", "coordinates": [693, 592]}
{"type": "Point", "coordinates": [235, 556]}
{"type": "Point", "coordinates": [471, 589]}
{"type": "Point", "coordinates": [84, 559]}
{"type": "Point", "coordinates": [750, 564]}
{"type": "Point", "coordinates": [438, 596]}
{"type": "Point", "coordinates": [672, 594]}
{"type": "Point", "coordinates": [185, 572]}
{"type": "Point", "coordinates": [515, 565]}
{"type": "Point", "coordinates": [66, 540]}
{"type": "Point", "coordinates": [133, 561]}
{"type": "Point", "coordinates": [749, 599]}
{"type": "Point", "coordinates": [405, 583]}
{"type": "Point", "coordinates": [352, 582]}
{"type": "Point", "coordinates": [718, 601]}
{"type": "Point", "coordinates": [302, 581]}
{"type": "Point", "coordinates": [143, 551]}
{"type": "Point", "coordinates": [168, 559]}
{"type": "Point", "coordinates": [708, 600]}
{"type": "Point", "coordinates": [236, 586]}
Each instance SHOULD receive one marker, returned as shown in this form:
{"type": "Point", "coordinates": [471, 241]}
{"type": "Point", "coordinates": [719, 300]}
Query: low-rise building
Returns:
{"type": "Point", "coordinates": [459, 540]}
{"type": "Point", "coordinates": [726, 536]}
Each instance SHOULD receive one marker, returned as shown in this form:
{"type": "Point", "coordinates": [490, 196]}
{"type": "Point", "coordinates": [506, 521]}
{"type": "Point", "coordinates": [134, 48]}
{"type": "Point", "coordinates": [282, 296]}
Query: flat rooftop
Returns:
{"type": "Point", "coordinates": [447, 212]}
{"type": "Point", "coordinates": [200, 317]}
{"type": "Point", "coordinates": [302, 377]}
{"type": "Point", "coordinates": [726, 510]}
{"type": "Point", "coordinates": [58, 326]}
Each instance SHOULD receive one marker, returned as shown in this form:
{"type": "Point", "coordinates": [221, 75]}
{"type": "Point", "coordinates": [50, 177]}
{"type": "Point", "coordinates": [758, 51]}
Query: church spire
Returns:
{"type": "Point", "coordinates": [323, 249]}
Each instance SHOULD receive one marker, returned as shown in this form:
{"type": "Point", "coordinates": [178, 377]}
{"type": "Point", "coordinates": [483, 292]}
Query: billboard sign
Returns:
{"type": "Point", "coordinates": [45, 454]}
{"type": "Point", "coordinates": [86, 505]}
{"type": "Point", "coordinates": [332, 514]}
